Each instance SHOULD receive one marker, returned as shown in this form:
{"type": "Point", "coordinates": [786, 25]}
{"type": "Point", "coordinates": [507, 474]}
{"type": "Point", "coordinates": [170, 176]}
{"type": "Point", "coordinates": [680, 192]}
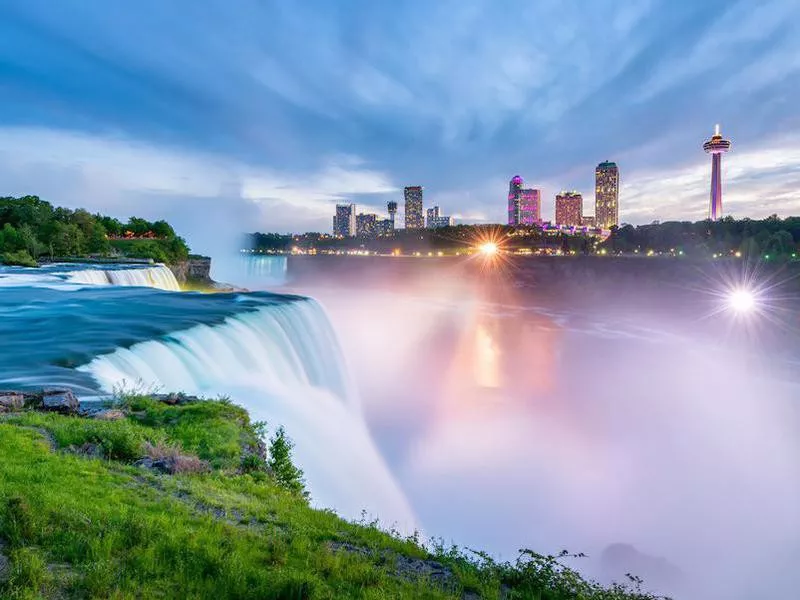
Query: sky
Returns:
{"type": "Point", "coordinates": [263, 114]}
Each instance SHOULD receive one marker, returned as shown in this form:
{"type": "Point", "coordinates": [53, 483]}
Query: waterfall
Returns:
{"type": "Point", "coordinates": [282, 362]}
{"type": "Point", "coordinates": [158, 276]}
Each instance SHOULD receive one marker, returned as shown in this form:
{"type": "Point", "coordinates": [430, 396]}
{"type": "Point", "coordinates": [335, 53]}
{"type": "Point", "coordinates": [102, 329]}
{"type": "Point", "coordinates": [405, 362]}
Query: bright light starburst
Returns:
{"type": "Point", "coordinates": [742, 301]}
{"type": "Point", "coordinates": [489, 248]}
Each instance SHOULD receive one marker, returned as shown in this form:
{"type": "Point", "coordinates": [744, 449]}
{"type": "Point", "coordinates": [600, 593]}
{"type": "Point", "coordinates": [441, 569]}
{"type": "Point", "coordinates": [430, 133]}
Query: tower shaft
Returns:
{"type": "Point", "coordinates": [715, 206]}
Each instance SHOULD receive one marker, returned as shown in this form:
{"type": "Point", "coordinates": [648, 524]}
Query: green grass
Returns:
{"type": "Point", "coordinates": [214, 431]}
{"type": "Point", "coordinates": [78, 527]}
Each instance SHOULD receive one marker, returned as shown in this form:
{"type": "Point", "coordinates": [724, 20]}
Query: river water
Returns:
{"type": "Point", "coordinates": [490, 419]}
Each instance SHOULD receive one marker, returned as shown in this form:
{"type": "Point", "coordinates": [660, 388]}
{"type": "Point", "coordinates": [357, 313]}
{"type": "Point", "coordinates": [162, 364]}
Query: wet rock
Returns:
{"type": "Point", "coordinates": [11, 401]}
{"type": "Point", "coordinates": [59, 400]}
{"type": "Point", "coordinates": [111, 414]}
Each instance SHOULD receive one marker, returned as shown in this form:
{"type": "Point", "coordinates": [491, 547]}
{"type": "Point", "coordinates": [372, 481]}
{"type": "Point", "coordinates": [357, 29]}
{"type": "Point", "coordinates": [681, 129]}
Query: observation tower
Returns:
{"type": "Point", "coordinates": [716, 147]}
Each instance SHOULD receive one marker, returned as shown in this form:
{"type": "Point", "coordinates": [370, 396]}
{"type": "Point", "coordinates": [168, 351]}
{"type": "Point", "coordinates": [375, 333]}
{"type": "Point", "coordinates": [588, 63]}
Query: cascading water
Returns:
{"type": "Point", "coordinates": [157, 276]}
{"type": "Point", "coordinates": [282, 362]}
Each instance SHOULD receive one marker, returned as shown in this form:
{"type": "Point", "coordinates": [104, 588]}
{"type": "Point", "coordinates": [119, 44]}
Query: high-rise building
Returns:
{"type": "Point", "coordinates": [588, 221]}
{"type": "Point", "coordinates": [432, 213]}
{"type": "Point", "coordinates": [366, 224]}
{"type": "Point", "coordinates": [524, 204]}
{"type": "Point", "coordinates": [515, 201]}
{"type": "Point", "coordinates": [384, 227]}
{"type": "Point", "coordinates": [436, 219]}
{"type": "Point", "coordinates": [606, 195]}
{"type": "Point", "coordinates": [569, 209]}
{"type": "Point", "coordinates": [392, 207]}
{"type": "Point", "coordinates": [716, 147]}
{"type": "Point", "coordinates": [415, 218]}
{"type": "Point", "coordinates": [530, 207]}
{"type": "Point", "coordinates": [344, 222]}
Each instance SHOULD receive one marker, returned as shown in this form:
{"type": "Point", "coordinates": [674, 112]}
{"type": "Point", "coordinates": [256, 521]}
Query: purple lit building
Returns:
{"type": "Point", "coordinates": [716, 146]}
{"type": "Point", "coordinates": [524, 205]}
{"type": "Point", "coordinates": [531, 207]}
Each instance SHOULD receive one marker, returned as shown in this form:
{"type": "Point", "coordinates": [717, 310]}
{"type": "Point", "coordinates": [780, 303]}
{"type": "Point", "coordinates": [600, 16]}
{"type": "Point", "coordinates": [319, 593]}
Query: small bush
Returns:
{"type": "Point", "coordinates": [20, 258]}
{"type": "Point", "coordinates": [280, 463]}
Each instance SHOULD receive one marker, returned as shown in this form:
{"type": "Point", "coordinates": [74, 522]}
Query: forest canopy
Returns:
{"type": "Point", "coordinates": [31, 228]}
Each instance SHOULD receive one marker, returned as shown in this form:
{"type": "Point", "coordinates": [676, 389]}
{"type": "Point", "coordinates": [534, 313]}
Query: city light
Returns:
{"type": "Point", "coordinates": [488, 248]}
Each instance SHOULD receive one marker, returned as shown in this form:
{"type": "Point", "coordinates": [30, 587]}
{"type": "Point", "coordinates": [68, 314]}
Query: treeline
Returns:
{"type": "Point", "coordinates": [767, 238]}
{"type": "Point", "coordinates": [31, 228]}
{"type": "Point", "coordinates": [770, 238]}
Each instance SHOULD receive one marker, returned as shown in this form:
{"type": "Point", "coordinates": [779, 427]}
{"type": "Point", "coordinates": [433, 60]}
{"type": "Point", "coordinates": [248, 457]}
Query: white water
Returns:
{"type": "Point", "coordinates": [283, 364]}
{"type": "Point", "coordinates": [157, 276]}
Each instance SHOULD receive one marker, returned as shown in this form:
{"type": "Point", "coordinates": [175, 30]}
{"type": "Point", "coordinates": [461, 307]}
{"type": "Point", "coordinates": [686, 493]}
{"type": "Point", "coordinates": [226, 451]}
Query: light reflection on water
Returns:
{"type": "Point", "coordinates": [509, 426]}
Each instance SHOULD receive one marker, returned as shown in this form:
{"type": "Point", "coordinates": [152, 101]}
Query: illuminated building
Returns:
{"type": "Point", "coordinates": [414, 216]}
{"type": "Point", "coordinates": [392, 207]}
{"type": "Point", "coordinates": [366, 224]}
{"type": "Point", "coordinates": [384, 227]}
{"type": "Point", "coordinates": [344, 222]}
{"type": "Point", "coordinates": [524, 205]}
{"type": "Point", "coordinates": [606, 195]}
{"type": "Point", "coordinates": [588, 221]}
{"type": "Point", "coordinates": [530, 209]}
{"type": "Point", "coordinates": [436, 219]}
{"type": "Point", "coordinates": [716, 146]}
{"type": "Point", "coordinates": [569, 209]}
{"type": "Point", "coordinates": [515, 200]}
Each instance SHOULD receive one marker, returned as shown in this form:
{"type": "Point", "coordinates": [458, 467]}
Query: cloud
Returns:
{"type": "Point", "coordinates": [756, 183]}
{"type": "Point", "coordinates": [265, 102]}
{"type": "Point", "coordinates": [124, 177]}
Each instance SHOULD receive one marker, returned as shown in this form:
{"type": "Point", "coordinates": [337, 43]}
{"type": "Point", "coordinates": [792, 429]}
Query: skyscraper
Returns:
{"type": "Point", "coordinates": [344, 223]}
{"type": "Point", "coordinates": [514, 200]}
{"type": "Point", "coordinates": [716, 146]}
{"type": "Point", "coordinates": [569, 209]}
{"type": "Point", "coordinates": [436, 219]}
{"type": "Point", "coordinates": [530, 209]}
{"type": "Point", "coordinates": [524, 205]}
{"type": "Point", "coordinates": [606, 195]}
{"type": "Point", "coordinates": [366, 224]}
{"type": "Point", "coordinates": [392, 207]}
{"type": "Point", "coordinates": [414, 216]}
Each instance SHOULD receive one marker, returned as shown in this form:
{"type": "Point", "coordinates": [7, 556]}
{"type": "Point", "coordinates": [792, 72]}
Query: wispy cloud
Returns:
{"type": "Point", "coordinates": [265, 101]}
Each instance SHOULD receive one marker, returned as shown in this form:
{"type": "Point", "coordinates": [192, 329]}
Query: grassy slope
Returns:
{"type": "Point", "coordinates": [78, 527]}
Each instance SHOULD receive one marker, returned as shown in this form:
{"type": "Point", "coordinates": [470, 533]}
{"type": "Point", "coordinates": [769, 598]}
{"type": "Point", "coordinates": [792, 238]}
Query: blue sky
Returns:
{"type": "Point", "coordinates": [263, 114]}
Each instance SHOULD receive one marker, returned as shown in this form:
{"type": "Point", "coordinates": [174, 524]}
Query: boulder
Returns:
{"type": "Point", "coordinates": [111, 414]}
{"type": "Point", "coordinates": [173, 399]}
{"type": "Point", "coordinates": [11, 401]}
{"type": "Point", "coordinates": [59, 400]}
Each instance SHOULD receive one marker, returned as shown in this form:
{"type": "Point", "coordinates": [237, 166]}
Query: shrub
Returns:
{"type": "Point", "coordinates": [20, 258]}
{"type": "Point", "coordinates": [280, 463]}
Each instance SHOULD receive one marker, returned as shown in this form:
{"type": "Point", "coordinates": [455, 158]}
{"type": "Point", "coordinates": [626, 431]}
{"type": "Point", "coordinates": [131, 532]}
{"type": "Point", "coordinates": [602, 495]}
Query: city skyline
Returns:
{"type": "Point", "coordinates": [256, 129]}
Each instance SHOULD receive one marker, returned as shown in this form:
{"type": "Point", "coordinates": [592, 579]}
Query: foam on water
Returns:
{"type": "Point", "coordinates": [283, 364]}
{"type": "Point", "coordinates": [158, 276]}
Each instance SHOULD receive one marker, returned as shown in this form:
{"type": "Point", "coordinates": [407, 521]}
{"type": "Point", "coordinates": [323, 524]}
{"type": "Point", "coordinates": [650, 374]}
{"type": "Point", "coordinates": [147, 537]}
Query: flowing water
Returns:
{"type": "Point", "coordinates": [494, 421]}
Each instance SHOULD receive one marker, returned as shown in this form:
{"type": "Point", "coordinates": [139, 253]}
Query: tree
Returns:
{"type": "Point", "coordinates": [67, 240]}
{"type": "Point", "coordinates": [280, 463]}
{"type": "Point", "coordinates": [98, 240]}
